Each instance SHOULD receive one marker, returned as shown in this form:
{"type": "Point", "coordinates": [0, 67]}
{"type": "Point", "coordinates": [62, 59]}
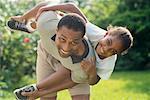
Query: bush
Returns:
{"type": "Point", "coordinates": [17, 57]}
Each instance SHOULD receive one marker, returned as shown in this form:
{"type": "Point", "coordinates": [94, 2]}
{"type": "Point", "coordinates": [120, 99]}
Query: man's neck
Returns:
{"type": "Point", "coordinates": [81, 49]}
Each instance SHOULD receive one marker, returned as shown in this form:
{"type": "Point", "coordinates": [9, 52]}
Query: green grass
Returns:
{"type": "Point", "coordinates": [121, 86]}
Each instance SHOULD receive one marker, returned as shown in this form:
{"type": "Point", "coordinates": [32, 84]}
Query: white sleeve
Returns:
{"type": "Point", "coordinates": [93, 32]}
{"type": "Point", "coordinates": [106, 67]}
{"type": "Point", "coordinates": [104, 74]}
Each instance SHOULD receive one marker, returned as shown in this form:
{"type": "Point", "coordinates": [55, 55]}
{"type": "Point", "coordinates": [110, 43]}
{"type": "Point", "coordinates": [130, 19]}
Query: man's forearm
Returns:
{"type": "Point", "coordinates": [57, 77]}
{"type": "Point", "coordinates": [68, 83]}
{"type": "Point", "coordinates": [94, 79]}
{"type": "Point", "coordinates": [67, 7]}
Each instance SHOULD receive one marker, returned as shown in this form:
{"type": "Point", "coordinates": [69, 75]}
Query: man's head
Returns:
{"type": "Point", "coordinates": [69, 35]}
{"type": "Point", "coordinates": [116, 41]}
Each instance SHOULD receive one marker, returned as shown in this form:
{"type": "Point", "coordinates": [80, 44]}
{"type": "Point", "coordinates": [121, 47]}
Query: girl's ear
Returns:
{"type": "Point", "coordinates": [106, 34]}
{"type": "Point", "coordinates": [109, 27]}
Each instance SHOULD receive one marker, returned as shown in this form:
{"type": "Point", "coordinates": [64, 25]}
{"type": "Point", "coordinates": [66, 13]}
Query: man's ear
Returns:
{"type": "Point", "coordinates": [56, 31]}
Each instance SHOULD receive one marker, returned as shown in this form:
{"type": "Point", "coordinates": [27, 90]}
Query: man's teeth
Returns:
{"type": "Point", "coordinates": [102, 51]}
{"type": "Point", "coordinates": [64, 52]}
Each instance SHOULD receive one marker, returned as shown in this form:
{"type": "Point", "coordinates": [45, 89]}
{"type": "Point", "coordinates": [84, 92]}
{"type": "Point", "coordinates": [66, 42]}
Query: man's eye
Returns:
{"type": "Point", "coordinates": [61, 39]}
{"type": "Point", "coordinates": [74, 43]}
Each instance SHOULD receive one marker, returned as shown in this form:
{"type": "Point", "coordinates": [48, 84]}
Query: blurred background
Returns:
{"type": "Point", "coordinates": [130, 79]}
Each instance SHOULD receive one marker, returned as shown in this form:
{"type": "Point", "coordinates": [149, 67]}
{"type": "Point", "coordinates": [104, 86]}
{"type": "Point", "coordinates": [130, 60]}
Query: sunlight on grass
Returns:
{"type": "Point", "coordinates": [115, 90]}
{"type": "Point", "coordinates": [121, 86]}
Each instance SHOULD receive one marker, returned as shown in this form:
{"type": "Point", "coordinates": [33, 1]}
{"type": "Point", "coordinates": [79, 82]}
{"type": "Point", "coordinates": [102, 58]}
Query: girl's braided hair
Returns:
{"type": "Point", "coordinates": [124, 35]}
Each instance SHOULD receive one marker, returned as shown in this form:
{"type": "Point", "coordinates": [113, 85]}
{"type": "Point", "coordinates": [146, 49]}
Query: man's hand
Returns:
{"type": "Point", "coordinates": [89, 66]}
{"type": "Point", "coordinates": [31, 95]}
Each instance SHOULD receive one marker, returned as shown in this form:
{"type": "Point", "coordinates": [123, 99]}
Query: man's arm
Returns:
{"type": "Point", "coordinates": [65, 84]}
{"type": "Point", "coordinates": [66, 7]}
{"type": "Point", "coordinates": [89, 66]}
{"type": "Point", "coordinates": [60, 75]}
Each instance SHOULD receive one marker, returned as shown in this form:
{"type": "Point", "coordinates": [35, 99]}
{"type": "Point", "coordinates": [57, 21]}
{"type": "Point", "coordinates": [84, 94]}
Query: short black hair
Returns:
{"type": "Point", "coordinates": [73, 21]}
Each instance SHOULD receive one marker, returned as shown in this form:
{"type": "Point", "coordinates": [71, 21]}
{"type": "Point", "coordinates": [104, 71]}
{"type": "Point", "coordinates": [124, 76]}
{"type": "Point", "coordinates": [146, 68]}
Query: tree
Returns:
{"type": "Point", "coordinates": [135, 15]}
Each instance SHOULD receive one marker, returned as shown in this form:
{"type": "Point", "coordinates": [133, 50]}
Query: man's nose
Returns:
{"type": "Point", "coordinates": [66, 47]}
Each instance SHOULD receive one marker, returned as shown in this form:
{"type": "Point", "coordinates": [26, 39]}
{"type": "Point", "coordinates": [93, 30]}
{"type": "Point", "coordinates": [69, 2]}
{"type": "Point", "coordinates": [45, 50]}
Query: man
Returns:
{"type": "Point", "coordinates": [66, 44]}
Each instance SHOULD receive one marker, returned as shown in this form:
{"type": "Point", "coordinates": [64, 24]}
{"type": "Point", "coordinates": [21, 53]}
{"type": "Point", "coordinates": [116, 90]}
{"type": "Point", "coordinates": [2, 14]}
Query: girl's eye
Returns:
{"type": "Point", "coordinates": [108, 42]}
{"type": "Point", "coordinates": [114, 51]}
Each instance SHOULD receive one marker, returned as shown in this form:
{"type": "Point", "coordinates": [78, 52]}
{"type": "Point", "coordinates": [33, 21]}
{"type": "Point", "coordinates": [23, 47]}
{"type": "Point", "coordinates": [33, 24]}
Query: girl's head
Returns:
{"type": "Point", "coordinates": [116, 41]}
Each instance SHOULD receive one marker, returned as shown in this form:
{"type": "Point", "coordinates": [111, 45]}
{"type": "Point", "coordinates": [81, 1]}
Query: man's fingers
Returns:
{"type": "Point", "coordinates": [37, 17]}
{"type": "Point", "coordinates": [30, 98]}
{"type": "Point", "coordinates": [82, 64]}
{"type": "Point", "coordinates": [38, 14]}
{"type": "Point", "coordinates": [93, 58]}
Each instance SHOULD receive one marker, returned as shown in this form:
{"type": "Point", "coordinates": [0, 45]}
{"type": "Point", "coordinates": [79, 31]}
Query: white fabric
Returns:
{"type": "Point", "coordinates": [105, 66]}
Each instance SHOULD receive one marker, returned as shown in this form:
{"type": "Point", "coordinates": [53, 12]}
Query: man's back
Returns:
{"type": "Point", "coordinates": [47, 29]}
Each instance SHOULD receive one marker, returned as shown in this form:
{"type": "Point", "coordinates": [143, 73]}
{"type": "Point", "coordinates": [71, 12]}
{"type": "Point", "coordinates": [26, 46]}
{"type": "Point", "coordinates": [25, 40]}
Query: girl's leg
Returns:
{"type": "Point", "coordinates": [30, 14]}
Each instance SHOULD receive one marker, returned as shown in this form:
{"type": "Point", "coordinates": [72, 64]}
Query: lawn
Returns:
{"type": "Point", "coordinates": [121, 86]}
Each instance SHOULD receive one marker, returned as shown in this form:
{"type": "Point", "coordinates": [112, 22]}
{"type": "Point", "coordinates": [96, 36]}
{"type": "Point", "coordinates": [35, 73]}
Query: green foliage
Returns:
{"type": "Point", "coordinates": [133, 14]}
{"type": "Point", "coordinates": [97, 10]}
{"type": "Point", "coordinates": [136, 18]}
{"type": "Point", "coordinates": [17, 58]}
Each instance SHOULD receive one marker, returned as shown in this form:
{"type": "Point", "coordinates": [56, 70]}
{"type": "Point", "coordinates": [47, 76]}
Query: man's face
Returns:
{"type": "Point", "coordinates": [109, 46]}
{"type": "Point", "coordinates": [68, 41]}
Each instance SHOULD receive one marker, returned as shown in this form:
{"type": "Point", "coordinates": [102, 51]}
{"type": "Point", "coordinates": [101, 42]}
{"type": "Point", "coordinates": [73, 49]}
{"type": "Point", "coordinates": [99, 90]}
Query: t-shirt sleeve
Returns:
{"type": "Point", "coordinates": [104, 74]}
{"type": "Point", "coordinates": [106, 67]}
{"type": "Point", "coordinates": [93, 32]}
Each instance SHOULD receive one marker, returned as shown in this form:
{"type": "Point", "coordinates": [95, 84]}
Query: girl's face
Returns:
{"type": "Point", "coordinates": [109, 46]}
